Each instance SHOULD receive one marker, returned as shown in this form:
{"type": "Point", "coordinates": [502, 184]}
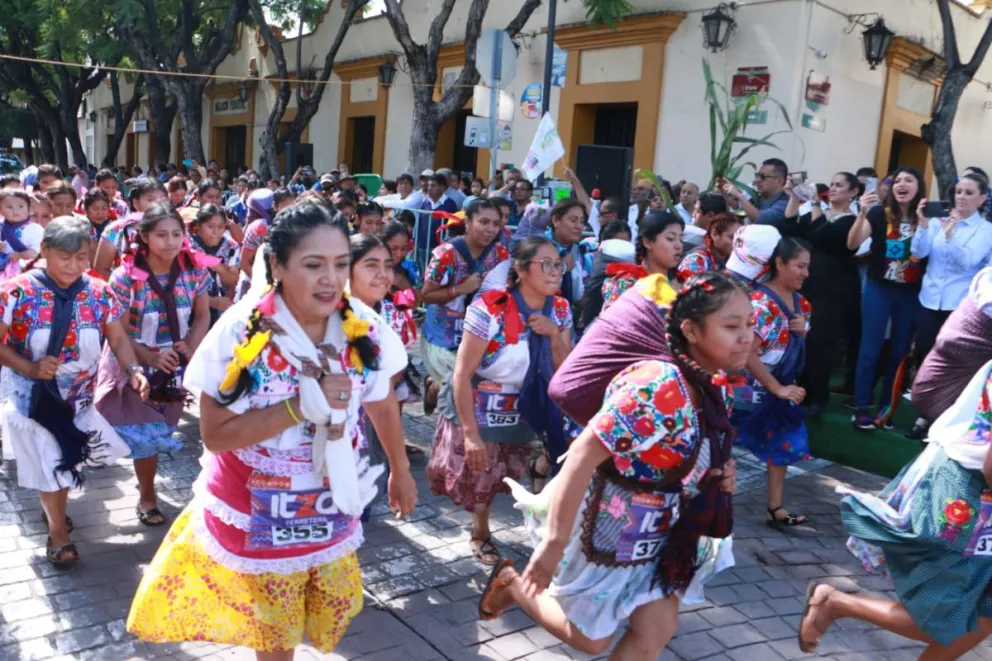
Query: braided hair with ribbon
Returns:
{"type": "Point", "coordinates": [710, 512]}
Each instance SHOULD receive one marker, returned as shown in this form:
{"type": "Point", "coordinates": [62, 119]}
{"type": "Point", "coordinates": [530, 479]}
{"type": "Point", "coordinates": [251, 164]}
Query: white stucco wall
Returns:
{"type": "Point", "coordinates": [779, 35]}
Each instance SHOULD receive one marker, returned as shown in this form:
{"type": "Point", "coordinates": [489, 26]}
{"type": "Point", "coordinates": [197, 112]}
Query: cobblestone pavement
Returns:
{"type": "Point", "coordinates": [421, 582]}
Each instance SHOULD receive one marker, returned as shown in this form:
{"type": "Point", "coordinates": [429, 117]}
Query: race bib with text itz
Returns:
{"type": "Point", "coordinates": [652, 517]}
{"type": "Point", "coordinates": [453, 321]}
{"type": "Point", "coordinates": [293, 513]}
{"type": "Point", "coordinates": [980, 543]}
{"type": "Point", "coordinates": [494, 407]}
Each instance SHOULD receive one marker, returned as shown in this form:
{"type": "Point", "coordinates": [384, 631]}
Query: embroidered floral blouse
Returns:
{"type": "Point", "coordinates": [255, 234]}
{"type": "Point", "coordinates": [772, 326]}
{"type": "Point", "coordinates": [223, 484]}
{"type": "Point", "coordinates": [648, 423]}
{"type": "Point", "coordinates": [27, 310]}
{"type": "Point", "coordinates": [146, 320]}
{"type": "Point", "coordinates": [615, 287]}
{"type": "Point", "coordinates": [695, 263]}
{"type": "Point", "coordinates": [490, 325]}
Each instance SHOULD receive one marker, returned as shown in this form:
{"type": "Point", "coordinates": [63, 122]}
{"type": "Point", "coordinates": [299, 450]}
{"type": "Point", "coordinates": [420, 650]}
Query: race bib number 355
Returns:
{"type": "Point", "coordinates": [293, 513]}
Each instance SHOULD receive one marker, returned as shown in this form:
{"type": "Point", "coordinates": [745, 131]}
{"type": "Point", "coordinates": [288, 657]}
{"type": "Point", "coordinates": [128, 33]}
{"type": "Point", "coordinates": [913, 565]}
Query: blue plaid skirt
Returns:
{"type": "Point", "coordinates": [924, 526]}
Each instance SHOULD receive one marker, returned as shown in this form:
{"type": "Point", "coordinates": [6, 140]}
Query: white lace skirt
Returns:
{"type": "Point", "coordinates": [37, 452]}
{"type": "Point", "coordinates": [597, 598]}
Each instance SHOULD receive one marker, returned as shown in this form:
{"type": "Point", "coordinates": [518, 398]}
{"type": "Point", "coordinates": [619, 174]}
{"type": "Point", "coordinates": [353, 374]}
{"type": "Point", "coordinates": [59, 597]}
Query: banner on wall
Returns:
{"type": "Point", "coordinates": [751, 80]}
{"type": "Point", "coordinates": [530, 101]}
{"type": "Point", "coordinates": [559, 67]}
{"type": "Point", "coordinates": [817, 91]}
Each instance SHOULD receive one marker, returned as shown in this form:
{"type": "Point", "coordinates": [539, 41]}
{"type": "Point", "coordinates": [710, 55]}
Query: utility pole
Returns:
{"type": "Point", "coordinates": [549, 56]}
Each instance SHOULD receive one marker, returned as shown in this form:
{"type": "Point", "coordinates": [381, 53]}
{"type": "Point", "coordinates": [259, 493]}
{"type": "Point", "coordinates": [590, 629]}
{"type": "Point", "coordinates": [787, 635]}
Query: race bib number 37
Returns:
{"type": "Point", "coordinates": [288, 515]}
{"type": "Point", "coordinates": [980, 542]}
{"type": "Point", "coordinates": [651, 518]}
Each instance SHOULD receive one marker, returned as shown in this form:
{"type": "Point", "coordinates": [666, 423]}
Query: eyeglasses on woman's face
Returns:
{"type": "Point", "coordinates": [551, 267]}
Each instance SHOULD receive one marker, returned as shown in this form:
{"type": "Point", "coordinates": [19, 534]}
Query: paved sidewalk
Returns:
{"type": "Point", "coordinates": [421, 583]}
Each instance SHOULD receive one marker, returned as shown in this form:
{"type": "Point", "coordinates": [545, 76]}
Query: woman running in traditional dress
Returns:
{"type": "Point", "coordinates": [207, 231]}
{"type": "Point", "coordinates": [482, 434]}
{"type": "Point", "coordinates": [659, 246]}
{"type": "Point", "coordinates": [455, 272]}
{"type": "Point", "coordinates": [168, 313]}
{"type": "Point", "coordinates": [280, 381]}
{"type": "Point", "coordinates": [717, 246]}
{"type": "Point", "coordinates": [57, 319]}
{"type": "Point", "coordinates": [767, 415]}
{"type": "Point", "coordinates": [618, 529]}
{"type": "Point", "coordinates": [930, 529]}
{"type": "Point", "coordinates": [119, 235]}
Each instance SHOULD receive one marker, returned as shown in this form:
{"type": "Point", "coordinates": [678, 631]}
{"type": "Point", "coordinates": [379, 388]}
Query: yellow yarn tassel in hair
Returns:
{"type": "Point", "coordinates": [353, 327]}
{"type": "Point", "coordinates": [244, 355]}
{"type": "Point", "coordinates": [356, 359]}
{"type": "Point", "coordinates": [656, 287]}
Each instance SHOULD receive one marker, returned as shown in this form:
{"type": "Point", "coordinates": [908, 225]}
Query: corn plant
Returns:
{"type": "Point", "coordinates": [732, 116]}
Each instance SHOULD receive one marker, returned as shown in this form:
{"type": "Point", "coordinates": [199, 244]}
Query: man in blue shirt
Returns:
{"type": "Point", "coordinates": [769, 181]}
{"type": "Point", "coordinates": [436, 200]}
{"type": "Point", "coordinates": [452, 191]}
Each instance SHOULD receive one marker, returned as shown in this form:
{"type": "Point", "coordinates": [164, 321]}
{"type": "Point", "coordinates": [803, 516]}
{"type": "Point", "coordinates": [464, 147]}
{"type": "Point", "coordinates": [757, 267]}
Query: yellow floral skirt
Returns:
{"type": "Point", "coordinates": [186, 596]}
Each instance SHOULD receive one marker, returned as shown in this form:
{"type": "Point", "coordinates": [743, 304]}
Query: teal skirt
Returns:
{"type": "Point", "coordinates": [920, 526]}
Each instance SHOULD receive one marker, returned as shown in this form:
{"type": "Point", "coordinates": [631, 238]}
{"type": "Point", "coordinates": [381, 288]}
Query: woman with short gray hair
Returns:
{"type": "Point", "coordinates": [55, 319]}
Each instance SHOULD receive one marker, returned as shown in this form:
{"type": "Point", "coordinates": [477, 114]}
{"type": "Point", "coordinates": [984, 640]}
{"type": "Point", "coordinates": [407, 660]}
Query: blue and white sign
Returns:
{"type": "Point", "coordinates": [559, 66]}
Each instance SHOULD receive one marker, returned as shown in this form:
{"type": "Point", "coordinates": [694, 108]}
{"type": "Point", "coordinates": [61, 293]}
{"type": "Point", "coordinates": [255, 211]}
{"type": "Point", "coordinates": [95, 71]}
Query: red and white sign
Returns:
{"type": "Point", "coordinates": [750, 80]}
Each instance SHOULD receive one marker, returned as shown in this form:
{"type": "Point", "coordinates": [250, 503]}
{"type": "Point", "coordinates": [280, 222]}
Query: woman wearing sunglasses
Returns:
{"type": "Point", "coordinates": [514, 339]}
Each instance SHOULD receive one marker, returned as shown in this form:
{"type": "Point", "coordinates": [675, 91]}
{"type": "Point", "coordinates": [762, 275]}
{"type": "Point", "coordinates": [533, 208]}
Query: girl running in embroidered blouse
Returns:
{"type": "Point", "coordinates": [659, 246]}
{"type": "Point", "coordinates": [611, 542]}
{"type": "Point", "coordinates": [168, 314]}
{"type": "Point", "coordinates": [716, 248]}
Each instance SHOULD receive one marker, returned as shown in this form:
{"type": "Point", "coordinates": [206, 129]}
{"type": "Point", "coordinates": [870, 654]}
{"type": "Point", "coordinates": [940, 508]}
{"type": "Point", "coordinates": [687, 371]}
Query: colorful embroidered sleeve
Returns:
{"type": "Point", "coordinates": [231, 252]}
{"type": "Point", "coordinates": [807, 310]}
{"type": "Point", "coordinates": [646, 418]}
{"type": "Point", "coordinates": [107, 306]}
{"type": "Point", "coordinates": [255, 234]}
{"type": "Point", "coordinates": [207, 368]}
{"type": "Point", "coordinates": [614, 288]}
{"type": "Point", "coordinates": [561, 314]}
{"type": "Point", "coordinates": [120, 284]}
{"type": "Point", "coordinates": [441, 269]}
{"type": "Point", "coordinates": [693, 264]}
{"type": "Point", "coordinates": [769, 321]}
{"type": "Point", "coordinates": [201, 280]}
{"type": "Point", "coordinates": [480, 322]}
{"type": "Point", "coordinates": [8, 300]}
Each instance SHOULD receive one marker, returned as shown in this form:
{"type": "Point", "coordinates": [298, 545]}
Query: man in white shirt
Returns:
{"type": "Point", "coordinates": [688, 195]}
{"type": "Point", "coordinates": [405, 196]}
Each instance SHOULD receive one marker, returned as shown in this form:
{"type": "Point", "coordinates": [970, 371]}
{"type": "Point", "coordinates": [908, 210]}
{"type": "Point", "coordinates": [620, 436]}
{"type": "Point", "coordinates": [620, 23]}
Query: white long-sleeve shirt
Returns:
{"type": "Point", "coordinates": [952, 262]}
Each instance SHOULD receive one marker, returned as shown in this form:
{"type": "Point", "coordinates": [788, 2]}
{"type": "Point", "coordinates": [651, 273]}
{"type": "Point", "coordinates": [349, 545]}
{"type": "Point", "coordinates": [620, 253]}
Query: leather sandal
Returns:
{"type": "Point", "coordinates": [486, 553]}
{"type": "Point", "coordinates": [493, 586]}
{"type": "Point", "coordinates": [789, 521]}
{"type": "Point", "coordinates": [54, 554]}
{"type": "Point", "coordinates": [809, 646]}
{"type": "Point", "coordinates": [146, 516]}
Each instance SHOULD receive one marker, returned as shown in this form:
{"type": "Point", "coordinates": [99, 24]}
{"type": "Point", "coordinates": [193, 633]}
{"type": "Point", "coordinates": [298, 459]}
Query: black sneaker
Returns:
{"type": "Point", "coordinates": [918, 432]}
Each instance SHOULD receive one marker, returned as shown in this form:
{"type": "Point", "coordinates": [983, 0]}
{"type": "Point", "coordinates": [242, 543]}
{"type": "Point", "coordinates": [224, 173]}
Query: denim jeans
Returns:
{"type": "Point", "coordinates": [879, 303]}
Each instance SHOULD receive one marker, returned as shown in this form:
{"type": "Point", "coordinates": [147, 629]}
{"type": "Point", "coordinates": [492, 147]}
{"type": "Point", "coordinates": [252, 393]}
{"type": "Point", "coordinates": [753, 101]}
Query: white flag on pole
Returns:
{"type": "Point", "coordinates": [545, 150]}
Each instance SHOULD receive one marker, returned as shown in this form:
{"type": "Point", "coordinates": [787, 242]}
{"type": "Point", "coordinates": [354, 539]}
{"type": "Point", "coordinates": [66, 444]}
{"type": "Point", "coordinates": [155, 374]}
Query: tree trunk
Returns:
{"type": "Point", "coordinates": [71, 127]}
{"type": "Point", "coordinates": [937, 132]}
{"type": "Point", "coordinates": [423, 137]}
{"type": "Point", "coordinates": [162, 115]}
{"type": "Point", "coordinates": [47, 143]}
{"type": "Point", "coordinates": [122, 116]}
{"type": "Point", "coordinates": [61, 152]}
{"type": "Point", "coordinates": [189, 99]}
{"type": "Point", "coordinates": [268, 165]}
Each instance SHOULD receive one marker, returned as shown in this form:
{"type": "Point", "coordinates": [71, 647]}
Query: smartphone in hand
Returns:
{"type": "Point", "coordinates": [798, 178]}
{"type": "Point", "coordinates": [937, 209]}
{"type": "Point", "coordinates": [871, 185]}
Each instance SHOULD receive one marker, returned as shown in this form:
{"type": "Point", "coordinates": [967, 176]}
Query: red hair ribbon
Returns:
{"type": "Point", "coordinates": [452, 220]}
{"type": "Point", "coordinates": [635, 271]}
{"type": "Point", "coordinates": [498, 300]}
{"type": "Point", "coordinates": [404, 301]}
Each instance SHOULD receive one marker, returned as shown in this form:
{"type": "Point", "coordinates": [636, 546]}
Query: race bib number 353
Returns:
{"type": "Point", "coordinates": [495, 408]}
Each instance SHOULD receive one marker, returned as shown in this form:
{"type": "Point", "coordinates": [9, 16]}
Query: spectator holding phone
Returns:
{"type": "Point", "coordinates": [891, 291]}
{"type": "Point", "coordinates": [956, 247]}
